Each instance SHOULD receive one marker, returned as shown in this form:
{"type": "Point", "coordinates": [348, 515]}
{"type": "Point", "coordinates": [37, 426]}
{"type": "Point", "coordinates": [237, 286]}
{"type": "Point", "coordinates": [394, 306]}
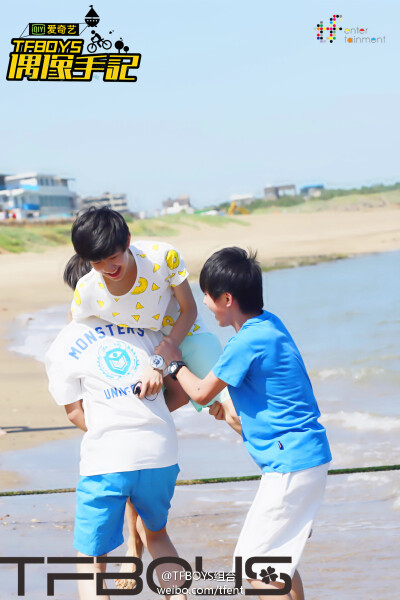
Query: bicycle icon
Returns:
{"type": "Point", "coordinates": [98, 43]}
{"type": "Point", "coordinates": [106, 44]}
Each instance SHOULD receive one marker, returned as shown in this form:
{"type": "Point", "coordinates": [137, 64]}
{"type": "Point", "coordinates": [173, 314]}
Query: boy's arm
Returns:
{"type": "Point", "coordinates": [226, 412]}
{"type": "Point", "coordinates": [175, 397]}
{"type": "Point", "coordinates": [76, 414]}
{"type": "Point", "coordinates": [186, 318]}
{"type": "Point", "coordinates": [201, 391]}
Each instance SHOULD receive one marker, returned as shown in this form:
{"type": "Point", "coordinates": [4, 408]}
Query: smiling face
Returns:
{"type": "Point", "coordinates": [114, 267]}
{"type": "Point", "coordinates": [220, 307]}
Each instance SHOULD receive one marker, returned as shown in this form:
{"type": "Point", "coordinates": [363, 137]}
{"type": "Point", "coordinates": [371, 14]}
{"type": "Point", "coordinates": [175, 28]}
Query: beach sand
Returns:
{"type": "Point", "coordinates": [31, 281]}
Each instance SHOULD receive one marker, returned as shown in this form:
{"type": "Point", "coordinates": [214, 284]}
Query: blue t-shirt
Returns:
{"type": "Point", "coordinates": [273, 396]}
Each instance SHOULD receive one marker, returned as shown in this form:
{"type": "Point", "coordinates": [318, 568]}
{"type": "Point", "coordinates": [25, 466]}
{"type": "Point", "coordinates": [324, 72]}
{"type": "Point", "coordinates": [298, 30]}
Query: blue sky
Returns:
{"type": "Point", "coordinates": [231, 96]}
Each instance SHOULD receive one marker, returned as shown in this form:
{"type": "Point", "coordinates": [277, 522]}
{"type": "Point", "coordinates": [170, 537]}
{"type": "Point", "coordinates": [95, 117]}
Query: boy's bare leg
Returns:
{"type": "Point", "coordinates": [296, 593]}
{"type": "Point", "coordinates": [135, 547]}
{"type": "Point", "coordinates": [87, 589]}
{"type": "Point", "coordinates": [260, 585]}
{"type": "Point", "coordinates": [297, 587]}
{"type": "Point", "coordinates": [159, 545]}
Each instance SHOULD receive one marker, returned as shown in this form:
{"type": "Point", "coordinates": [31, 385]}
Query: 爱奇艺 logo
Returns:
{"type": "Point", "coordinates": [352, 35]}
{"type": "Point", "coordinates": [58, 52]}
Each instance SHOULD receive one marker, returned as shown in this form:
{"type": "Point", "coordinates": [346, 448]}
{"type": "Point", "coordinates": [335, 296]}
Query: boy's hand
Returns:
{"type": "Point", "coordinates": [217, 411]}
{"type": "Point", "coordinates": [169, 350]}
{"type": "Point", "coordinates": [152, 382]}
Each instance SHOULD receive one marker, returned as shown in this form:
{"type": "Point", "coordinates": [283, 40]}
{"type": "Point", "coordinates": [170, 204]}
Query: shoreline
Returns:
{"type": "Point", "coordinates": [34, 282]}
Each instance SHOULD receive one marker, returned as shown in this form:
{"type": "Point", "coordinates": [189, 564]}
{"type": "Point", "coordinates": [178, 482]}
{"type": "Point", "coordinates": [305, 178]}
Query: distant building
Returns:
{"type": "Point", "coordinates": [36, 195]}
{"type": "Point", "coordinates": [278, 191]}
{"type": "Point", "coordinates": [242, 199]}
{"type": "Point", "coordinates": [312, 191]}
{"type": "Point", "coordinates": [116, 202]}
{"type": "Point", "coordinates": [173, 206]}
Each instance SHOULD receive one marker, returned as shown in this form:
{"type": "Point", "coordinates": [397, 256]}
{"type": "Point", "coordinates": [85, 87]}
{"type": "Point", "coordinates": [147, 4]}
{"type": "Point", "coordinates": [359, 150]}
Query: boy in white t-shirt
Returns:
{"type": "Point", "coordinates": [138, 285]}
{"type": "Point", "coordinates": [130, 446]}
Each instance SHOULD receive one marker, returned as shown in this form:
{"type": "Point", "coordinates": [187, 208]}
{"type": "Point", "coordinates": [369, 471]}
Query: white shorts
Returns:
{"type": "Point", "coordinates": [280, 519]}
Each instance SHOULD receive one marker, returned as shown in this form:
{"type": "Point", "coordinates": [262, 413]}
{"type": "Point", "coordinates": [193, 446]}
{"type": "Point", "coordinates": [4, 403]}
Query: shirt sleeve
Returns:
{"type": "Point", "coordinates": [64, 385]}
{"type": "Point", "coordinates": [177, 271]}
{"type": "Point", "coordinates": [82, 302]}
{"type": "Point", "coordinates": [234, 362]}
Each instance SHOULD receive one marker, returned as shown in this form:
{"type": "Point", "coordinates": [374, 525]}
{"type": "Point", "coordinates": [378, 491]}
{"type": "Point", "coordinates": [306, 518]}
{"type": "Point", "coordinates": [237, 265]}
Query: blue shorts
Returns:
{"type": "Point", "coordinates": [101, 501]}
{"type": "Point", "coordinates": [201, 352]}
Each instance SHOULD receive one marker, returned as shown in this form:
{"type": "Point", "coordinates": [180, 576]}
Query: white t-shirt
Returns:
{"type": "Point", "coordinates": [150, 304]}
{"type": "Point", "coordinates": [99, 362]}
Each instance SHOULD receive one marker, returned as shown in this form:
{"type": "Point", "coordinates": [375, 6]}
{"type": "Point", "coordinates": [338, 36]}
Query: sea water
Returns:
{"type": "Point", "coordinates": [344, 316]}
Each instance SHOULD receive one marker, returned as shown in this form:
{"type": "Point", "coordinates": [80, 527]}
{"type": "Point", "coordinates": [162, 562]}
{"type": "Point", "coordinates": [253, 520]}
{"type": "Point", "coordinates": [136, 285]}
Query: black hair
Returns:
{"type": "Point", "coordinates": [235, 271]}
{"type": "Point", "coordinates": [99, 233]}
{"type": "Point", "coordinates": [76, 268]}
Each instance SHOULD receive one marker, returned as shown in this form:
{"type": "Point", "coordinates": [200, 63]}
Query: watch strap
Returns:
{"type": "Point", "coordinates": [179, 364]}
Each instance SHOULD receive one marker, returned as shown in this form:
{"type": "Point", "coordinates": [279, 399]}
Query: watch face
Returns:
{"type": "Point", "coordinates": [172, 367]}
{"type": "Point", "coordinates": [156, 361]}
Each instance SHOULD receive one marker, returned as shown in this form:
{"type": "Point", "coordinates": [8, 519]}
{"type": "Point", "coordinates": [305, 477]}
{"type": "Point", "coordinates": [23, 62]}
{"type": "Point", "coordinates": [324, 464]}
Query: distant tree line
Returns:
{"type": "Point", "coordinates": [373, 189]}
{"type": "Point", "coordinates": [286, 201]}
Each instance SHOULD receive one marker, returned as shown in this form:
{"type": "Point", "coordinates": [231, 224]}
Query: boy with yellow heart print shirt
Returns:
{"type": "Point", "coordinates": [141, 285]}
{"type": "Point", "coordinates": [150, 303]}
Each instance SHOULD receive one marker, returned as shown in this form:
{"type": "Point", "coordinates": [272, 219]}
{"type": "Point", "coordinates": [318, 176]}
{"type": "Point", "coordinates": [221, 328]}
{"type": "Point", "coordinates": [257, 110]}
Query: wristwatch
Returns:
{"type": "Point", "coordinates": [174, 367]}
{"type": "Point", "coordinates": [157, 362]}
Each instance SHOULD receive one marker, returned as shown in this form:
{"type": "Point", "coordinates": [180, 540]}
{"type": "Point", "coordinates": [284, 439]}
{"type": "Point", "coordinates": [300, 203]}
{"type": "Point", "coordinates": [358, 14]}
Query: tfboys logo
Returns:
{"type": "Point", "coordinates": [352, 35]}
{"type": "Point", "coordinates": [51, 57]}
{"type": "Point", "coordinates": [117, 359]}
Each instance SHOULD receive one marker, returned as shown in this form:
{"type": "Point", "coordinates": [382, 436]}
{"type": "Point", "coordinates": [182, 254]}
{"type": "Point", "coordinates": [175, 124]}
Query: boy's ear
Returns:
{"type": "Point", "coordinates": [128, 242]}
{"type": "Point", "coordinates": [228, 299]}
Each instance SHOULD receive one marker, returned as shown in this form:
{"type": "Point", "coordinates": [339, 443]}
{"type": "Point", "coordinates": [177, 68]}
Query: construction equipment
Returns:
{"type": "Point", "coordinates": [235, 209]}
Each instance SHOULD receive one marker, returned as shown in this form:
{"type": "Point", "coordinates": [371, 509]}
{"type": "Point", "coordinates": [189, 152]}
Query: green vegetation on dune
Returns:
{"type": "Point", "coordinates": [357, 201]}
{"type": "Point", "coordinates": [195, 220]}
{"type": "Point", "coordinates": [364, 190]}
{"type": "Point", "coordinates": [36, 237]}
{"type": "Point", "coordinates": [32, 237]}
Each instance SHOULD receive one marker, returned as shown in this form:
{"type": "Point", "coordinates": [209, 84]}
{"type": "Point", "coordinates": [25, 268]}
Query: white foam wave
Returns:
{"type": "Point", "coordinates": [328, 373]}
{"type": "Point", "coordinates": [355, 374]}
{"type": "Point", "coordinates": [396, 503]}
{"type": "Point", "coordinates": [362, 421]}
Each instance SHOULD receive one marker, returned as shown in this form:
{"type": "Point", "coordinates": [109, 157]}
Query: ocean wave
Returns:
{"type": "Point", "coordinates": [355, 373]}
{"type": "Point", "coordinates": [327, 373]}
{"type": "Point", "coordinates": [362, 421]}
{"type": "Point", "coordinates": [396, 503]}
{"type": "Point", "coordinates": [377, 478]}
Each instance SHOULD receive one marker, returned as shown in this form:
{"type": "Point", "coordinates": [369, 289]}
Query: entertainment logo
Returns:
{"type": "Point", "coordinates": [350, 33]}
{"type": "Point", "coordinates": [57, 55]}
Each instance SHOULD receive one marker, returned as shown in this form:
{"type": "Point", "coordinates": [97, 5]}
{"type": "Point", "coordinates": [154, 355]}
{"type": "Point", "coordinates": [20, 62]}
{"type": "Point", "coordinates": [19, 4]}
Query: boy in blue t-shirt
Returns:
{"type": "Point", "coordinates": [274, 409]}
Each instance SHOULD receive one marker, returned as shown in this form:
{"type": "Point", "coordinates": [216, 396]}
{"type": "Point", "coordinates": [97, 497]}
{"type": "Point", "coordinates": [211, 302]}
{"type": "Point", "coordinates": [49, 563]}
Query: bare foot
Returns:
{"type": "Point", "coordinates": [2, 432]}
{"type": "Point", "coordinates": [135, 550]}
